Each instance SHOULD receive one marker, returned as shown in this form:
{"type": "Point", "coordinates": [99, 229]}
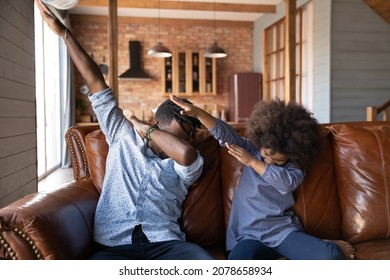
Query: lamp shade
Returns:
{"type": "Point", "coordinates": [160, 50]}
{"type": "Point", "coordinates": [215, 51]}
{"type": "Point", "coordinates": [61, 4]}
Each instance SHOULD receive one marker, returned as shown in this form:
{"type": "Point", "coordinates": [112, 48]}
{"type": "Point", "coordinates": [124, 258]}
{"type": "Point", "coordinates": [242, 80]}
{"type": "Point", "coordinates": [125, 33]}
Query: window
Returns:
{"type": "Point", "coordinates": [274, 58]}
{"type": "Point", "coordinates": [47, 65]}
{"type": "Point", "coordinates": [274, 61]}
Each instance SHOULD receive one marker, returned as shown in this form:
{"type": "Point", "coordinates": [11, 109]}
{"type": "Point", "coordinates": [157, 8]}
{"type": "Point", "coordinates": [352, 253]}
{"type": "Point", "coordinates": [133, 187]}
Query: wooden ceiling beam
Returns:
{"type": "Point", "coordinates": [381, 7]}
{"type": "Point", "coordinates": [164, 21]}
{"type": "Point", "coordinates": [183, 5]}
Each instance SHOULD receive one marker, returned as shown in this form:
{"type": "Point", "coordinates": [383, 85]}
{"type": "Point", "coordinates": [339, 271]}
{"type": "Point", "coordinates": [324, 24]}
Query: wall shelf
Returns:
{"type": "Point", "coordinates": [189, 73]}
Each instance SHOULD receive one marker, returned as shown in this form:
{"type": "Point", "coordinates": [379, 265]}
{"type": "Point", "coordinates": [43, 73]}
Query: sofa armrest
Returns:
{"type": "Point", "coordinates": [54, 224]}
{"type": "Point", "coordinates": [75, 141]}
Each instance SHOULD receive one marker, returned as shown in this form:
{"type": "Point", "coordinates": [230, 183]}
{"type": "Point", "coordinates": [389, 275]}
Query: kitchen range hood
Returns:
{"type": "Point", "coordinates": [135, 72]}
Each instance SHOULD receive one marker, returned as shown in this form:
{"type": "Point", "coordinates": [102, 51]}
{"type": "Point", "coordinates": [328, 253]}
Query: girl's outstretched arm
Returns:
{"type": "Point", "coordinates": [189, 109]}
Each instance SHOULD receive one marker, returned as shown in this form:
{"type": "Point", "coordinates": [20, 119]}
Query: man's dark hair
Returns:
{"type": "Point", "coordinates": [288, 129]}
{"type": "Point", "coordinates": [169, 111]}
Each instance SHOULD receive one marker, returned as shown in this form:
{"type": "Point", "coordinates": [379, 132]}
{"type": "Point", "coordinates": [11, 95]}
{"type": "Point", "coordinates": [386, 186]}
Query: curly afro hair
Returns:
{"type": "Point", "coordinates": [288, 129]}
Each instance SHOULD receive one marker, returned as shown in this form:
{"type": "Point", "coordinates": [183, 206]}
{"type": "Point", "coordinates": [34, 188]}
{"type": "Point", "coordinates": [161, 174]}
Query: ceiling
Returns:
{"type": "Point", "coordinates": [228, 10]}
{"type": "Point", "coordinates": [233, 10]}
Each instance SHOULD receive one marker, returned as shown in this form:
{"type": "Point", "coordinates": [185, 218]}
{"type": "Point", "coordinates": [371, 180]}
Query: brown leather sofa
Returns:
{"type": "Point", "coordinates": [346, 195]}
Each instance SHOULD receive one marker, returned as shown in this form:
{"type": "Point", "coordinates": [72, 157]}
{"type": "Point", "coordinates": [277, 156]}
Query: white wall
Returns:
{"type": "Point", "coordinates": [18, 167]}
{"type": "Point", "coordinates": [322, 61]}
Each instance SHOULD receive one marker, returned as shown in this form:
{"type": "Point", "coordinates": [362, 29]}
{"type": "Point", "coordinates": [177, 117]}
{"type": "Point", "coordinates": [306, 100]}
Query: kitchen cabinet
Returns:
{"type": "Point", "coordinates": [189, 73]}
{"type": "Point", "coordinates": [245, 90]}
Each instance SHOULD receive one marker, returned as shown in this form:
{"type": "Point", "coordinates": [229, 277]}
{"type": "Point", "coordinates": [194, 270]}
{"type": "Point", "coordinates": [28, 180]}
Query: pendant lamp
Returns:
{"type": "Point", "coordinates": [215, 51]}
{"type": "Point", "coordinates": [159, 50]}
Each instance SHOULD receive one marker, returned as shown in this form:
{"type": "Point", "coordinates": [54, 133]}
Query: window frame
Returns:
{"type": "Point", "coordinates": [274, 42]}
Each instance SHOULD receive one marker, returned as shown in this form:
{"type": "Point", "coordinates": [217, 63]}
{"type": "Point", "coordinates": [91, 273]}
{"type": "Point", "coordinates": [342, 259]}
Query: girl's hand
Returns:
{"type": "Point", "coordinates": [240, 154]}
{"type": "Point", "coordinates": [247, 159]}
{"type": "Point", "coordinates": [188, 109]}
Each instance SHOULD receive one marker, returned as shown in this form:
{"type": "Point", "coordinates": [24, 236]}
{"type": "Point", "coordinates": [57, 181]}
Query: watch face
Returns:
{"type": "Point", "coordinates": [84, 89]}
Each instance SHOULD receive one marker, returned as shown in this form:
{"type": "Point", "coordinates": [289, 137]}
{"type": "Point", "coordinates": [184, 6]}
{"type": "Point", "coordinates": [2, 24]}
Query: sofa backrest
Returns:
{"type": "Point", "coordinates": [362, 173]}
{"type": "Point", "coordinates": [96, 152]}
{"type": "Point", "coordinates": [316, 200]}
{"type": "Point", "coordinates": [203, 212]}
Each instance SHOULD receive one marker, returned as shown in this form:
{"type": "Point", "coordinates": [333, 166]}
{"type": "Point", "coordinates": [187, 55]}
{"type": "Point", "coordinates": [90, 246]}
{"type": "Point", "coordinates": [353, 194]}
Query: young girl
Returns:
{"type": "Point", "coordinates": [283, 141]}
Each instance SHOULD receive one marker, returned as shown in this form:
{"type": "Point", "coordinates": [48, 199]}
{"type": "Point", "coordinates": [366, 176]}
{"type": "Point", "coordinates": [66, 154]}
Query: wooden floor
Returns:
{"type": "Point", "coordinates": [56, 179]}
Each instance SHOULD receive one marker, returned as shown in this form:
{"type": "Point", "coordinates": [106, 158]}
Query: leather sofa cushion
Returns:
{"type": "Point", "coordinates": [316, 201]}
{"type": "Point", "coordinates": [231, 170]}
{"type": "Point", "coordinates": [55, 224]}
{"type": "Point", "coordinates": [202, 219]}
{"type": "Point", "coordinates": [96, 150]}
{"type": "Point", "coordinates": [373, 250]}
{"type": "Point", "coordinates": [362, 162]}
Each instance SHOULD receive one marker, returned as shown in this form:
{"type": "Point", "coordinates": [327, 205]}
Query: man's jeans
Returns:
{"type": "Point", "coordinates": [142, 249]}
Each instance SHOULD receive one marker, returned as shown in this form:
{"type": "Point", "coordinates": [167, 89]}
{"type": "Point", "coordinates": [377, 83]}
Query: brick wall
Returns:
{"type": "Point", "coordinates": [142, 96]}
